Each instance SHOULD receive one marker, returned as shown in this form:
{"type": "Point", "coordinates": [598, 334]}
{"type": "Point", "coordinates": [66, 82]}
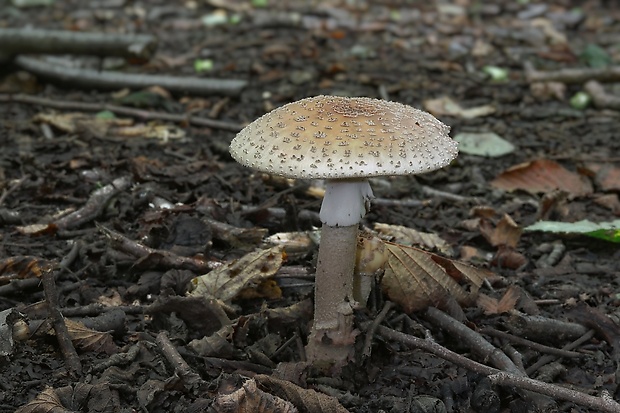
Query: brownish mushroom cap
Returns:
{"type": "Point", "coordinates": [335, 137]}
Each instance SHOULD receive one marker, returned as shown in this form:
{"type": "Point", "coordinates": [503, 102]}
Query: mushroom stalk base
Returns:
{"type": "Point", "coordinates": [332, 338]}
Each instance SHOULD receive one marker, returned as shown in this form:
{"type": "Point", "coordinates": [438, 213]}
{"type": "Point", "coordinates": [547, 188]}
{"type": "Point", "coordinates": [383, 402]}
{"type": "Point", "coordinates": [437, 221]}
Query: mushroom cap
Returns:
{"type": "Point", "coordinates": [336, 137]}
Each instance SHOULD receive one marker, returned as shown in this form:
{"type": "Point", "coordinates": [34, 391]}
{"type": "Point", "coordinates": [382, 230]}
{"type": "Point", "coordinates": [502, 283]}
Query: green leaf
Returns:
{"type": "Point", "coordinates": [608, 231]}
{"type": "Point", "coordinates": [483, 144]}
{"type": "Point", "coordinates": [595, 56]}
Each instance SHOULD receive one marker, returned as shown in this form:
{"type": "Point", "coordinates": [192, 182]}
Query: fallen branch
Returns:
{"type": "Point", "coordinates": [95, 204]}
{"type": "Point", "coordinates": [600, 98]}
{"type": "Point", "coordinates": [603, 403]}
{"type": "Point", "coordinates": [108, 80]}
{"type": "Point", "coordinates": [119, 110]}
{"type": "Point", "coordinates": [35, 41]}
{"type": "Point", "coordinates": [572, 75]}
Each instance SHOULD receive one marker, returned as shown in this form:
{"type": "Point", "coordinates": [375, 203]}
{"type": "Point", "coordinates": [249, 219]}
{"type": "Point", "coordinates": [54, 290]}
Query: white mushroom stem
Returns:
{"type": "Point", "coordinates": [346, 201]}
{"type": "Point", "coordinates": [332, 337]}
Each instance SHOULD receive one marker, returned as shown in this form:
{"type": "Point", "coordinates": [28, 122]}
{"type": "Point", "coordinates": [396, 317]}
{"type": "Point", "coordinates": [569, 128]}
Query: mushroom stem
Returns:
{"type": "Point", "coordinates": [332, 336]}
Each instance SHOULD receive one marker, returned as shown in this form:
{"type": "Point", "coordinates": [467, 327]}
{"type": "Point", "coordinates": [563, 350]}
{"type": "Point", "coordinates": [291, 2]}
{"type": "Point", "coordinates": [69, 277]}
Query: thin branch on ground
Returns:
{"type": "Point", "coordinates": [572, 75]}
{"type": "Point", "coordinates": [548, 358]}
{"type": "Point", "coordinates": [600, 98]}
{"type": "Point", "coordinates": [109, 80]}
{"type": "Point", "coordinates": [58, 322]}
{"type": "Point", "coordinates": [370, 332]}
{"type": "Point", "coordinates": [120, 110]}
{"type": "Point", "coordinates": [528, 343]}
{"type": "Point", "coordinates": [160, 258]}
{"type": "Point", "coordinates": [176, 360]}
{"type": "Point", "coordinates": [95, 204]}
{"type": "Point", "coordinates": [507, 379]}
{"type": "Point", "coordinates": [484, 350]}
{"type": "Point", "coordinates": [38, 41]}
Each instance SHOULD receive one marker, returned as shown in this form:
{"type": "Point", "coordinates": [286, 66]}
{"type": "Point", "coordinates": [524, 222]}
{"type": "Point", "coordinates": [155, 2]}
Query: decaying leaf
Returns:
{"type": "Point", "coordinates": [23, 266]}
{"type": "Point", "coordinates": [409, 236]}
{"type": "Point", "coordinates": [306, 400]}
{"type": "Point", "coordinates": [542, 176]}
{"type": "Point", "coordinates": [487, 144]}
{"type": "Point", "coordinates": [446, 106]}
{"type": "Point", "coordinates": [226, 282]}
{"type": "Point", "coordinates": [505, 232]}
{"type": "Point", "coordinates": [217, 344]}
{"type": "Point", "coordinates": [606, 175]}
{"type": "Point", "coordinates": [69, 399]}
{"type": "Point", "coordinates": [506, 304]}
{"type": "Point", "coordinates": [250, 399]}
{"type": "Point", "coordinates": [416, 279]}
{"type": "Point", "coordinates": [89, 339]}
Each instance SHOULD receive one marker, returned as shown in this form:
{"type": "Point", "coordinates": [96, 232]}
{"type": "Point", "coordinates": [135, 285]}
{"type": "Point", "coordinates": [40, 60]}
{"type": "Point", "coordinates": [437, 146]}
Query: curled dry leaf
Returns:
{"type": "Point", "coordinates": [606, 175]}
{"type": "Point", "coordinates": [542, 176]}
{"type": "Point", "coordinates": [23, 266]}
{"type": "Point", "coordinates": [506, 304]}
{"type": "Point", "coordinates": [306, 400]}
{"type": "Point", "coordinates": [416, 279]}
{"type": "Point", "coordinates": [69, 399]}
{"type": "Point", "coordinates": [226, 282]}
{"type": "Point", "coordinates": [505, 232]}
{"type": "Point", "coordinates": [90, 340]}
{"type": "Point", "coordinates": [409, 236]}
{"type": "Point", "coordinates": [250, 399]}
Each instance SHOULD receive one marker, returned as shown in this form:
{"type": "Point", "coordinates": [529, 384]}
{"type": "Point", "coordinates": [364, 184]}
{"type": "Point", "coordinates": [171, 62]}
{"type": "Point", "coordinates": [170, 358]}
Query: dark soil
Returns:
{"type": "Point", "coordinates": [172, 192]}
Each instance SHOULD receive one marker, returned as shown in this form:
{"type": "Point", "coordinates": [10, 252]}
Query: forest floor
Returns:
{"type": "Point", "coordinates": [114, 198]}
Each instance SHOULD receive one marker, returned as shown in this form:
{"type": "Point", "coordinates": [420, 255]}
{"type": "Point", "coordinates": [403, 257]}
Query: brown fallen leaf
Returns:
{"type": "Point", "coordinates": [69, 399]}
{"type": "Point", "coordinates": [505, 232]}
{"type": "Point", "coordinates": [305, 400]}
{"type": "Point", "coordinates": [606, 175]}
{"type": "Point", "coordinates": [250, 399]}
{"type": "Point", "coordinates": [416, 279]}
{"type": "Point", "coordinates": [23, 266]}
{"type": "Point", "coordinates": [409, 236]}
{"type": "Point", "coordinates": [541, 176]}
{"type": "Point", "coordinates": [227, 282]}
{"type": "Point", "coordinates": [90, 340]}
{"type": "Point", "coordinates": [506, 304]}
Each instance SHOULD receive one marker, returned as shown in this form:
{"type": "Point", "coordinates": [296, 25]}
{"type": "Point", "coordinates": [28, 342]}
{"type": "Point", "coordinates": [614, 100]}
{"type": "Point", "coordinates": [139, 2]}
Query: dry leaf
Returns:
{"type": "Point", "coordinates": [506, 232]}
{"type": "Point", "coordinates": [306, 400]}
{"type": "Point", "coordinates": [409, 236]}
{"type": "Point", "coordinates": [90, 340]}
{"type": "Point", "coordinates": [416, 279]}
{"type": "Point", "coordinates": [23, 266]}
{"type": "Point", "coordinates": [606, 175]}
{"type": "Point", "coordinates": [542, 176]}
{"type": "Point", "coordinates": [446, 106]}
{"type": "Point", "coordinates": [77, 398]}
{"type": "Point", "coordinates": [250, 399]}
{"type": "Point", "coordinates": [506, 304]}
{"type": "Point", "coordinates": [226, 282]}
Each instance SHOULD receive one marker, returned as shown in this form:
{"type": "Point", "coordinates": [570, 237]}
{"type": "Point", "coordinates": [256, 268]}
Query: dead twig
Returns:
{"type": "Point", "coordinates": [58, 322]}
{"type": "Point", "coordinates": [108, 80]}
{"type": "Point", "coordinates": [549, 358]}
{"type": "Point", "coordinates": [572, 75]}
{"type": "Point", "coordinates": [176, 360]}
{"type": "Point", "coordinates": [120, 110]}
{"type": "Point", "coordinates": [35, 41]}
{"type": "Point", "coordinates": [95, 204]}
{"type": "Point", "coordinates": [370, 332]}
{"type": "Point", "coordinates": [601, 99]}
{"type": "Point", "coordinates": [484, 350]}
{"type": "Point", "coordinates": [160, 258]}
{"type": "Point", "coordinates": [603, 403]}
{"type": "Point", "coordinates": [528, 343]}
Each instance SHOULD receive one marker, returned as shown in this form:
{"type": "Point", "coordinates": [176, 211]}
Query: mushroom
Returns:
{"type": "Point", "coordinates": [344, 141]}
